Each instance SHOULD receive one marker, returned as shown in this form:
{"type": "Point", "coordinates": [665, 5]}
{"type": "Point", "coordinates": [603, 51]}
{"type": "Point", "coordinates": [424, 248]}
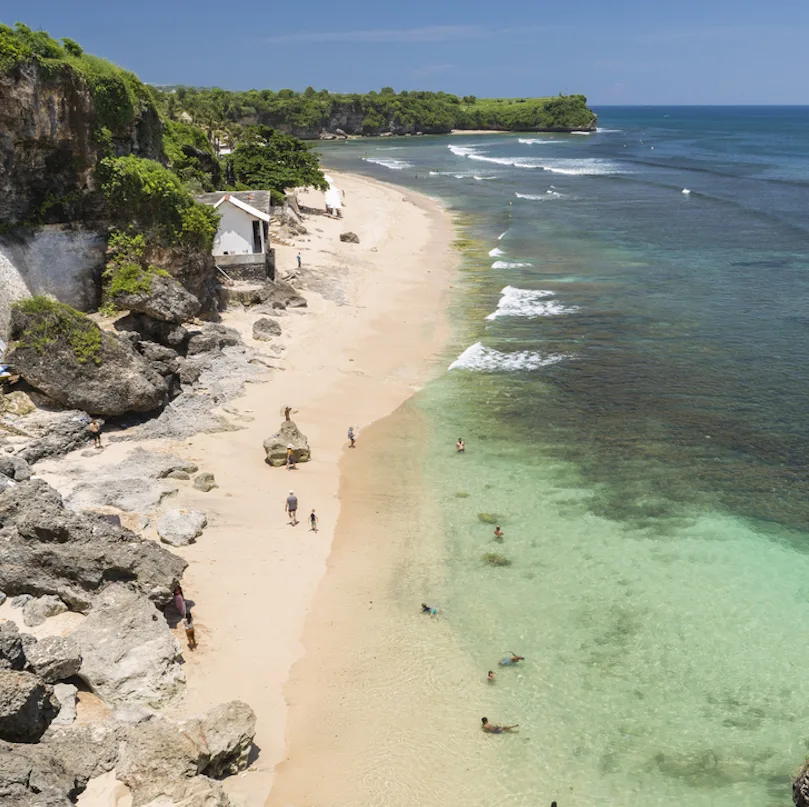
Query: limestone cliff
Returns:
{"type": "Point", "coordinates": [50, 137]}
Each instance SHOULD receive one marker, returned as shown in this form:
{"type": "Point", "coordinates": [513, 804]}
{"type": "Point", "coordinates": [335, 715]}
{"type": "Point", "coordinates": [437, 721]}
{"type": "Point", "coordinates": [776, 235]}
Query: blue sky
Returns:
{"type": "Point", "coordinates": [613, 51]}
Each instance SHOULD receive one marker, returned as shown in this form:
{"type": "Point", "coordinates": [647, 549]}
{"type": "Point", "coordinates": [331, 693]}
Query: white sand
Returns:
{"type": "Point", "coordinates": [364, 345]}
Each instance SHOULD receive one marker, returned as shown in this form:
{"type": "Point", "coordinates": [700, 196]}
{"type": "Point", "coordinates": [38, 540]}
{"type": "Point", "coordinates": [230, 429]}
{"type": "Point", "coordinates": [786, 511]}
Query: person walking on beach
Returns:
{"type": "Point", "coordinates": [179, 600]}
{"type": "Point", "coordinates": [291, 466]}
{"type": "Point", "coordinates": [292, 508]}
{"type": "Point", "coordinates": [508, 661]}
{"type": "Point", "coordinates": [94, 427]}
{"type": "Point", "coordinates": [492, 729]}
{"type": "Point", "coordinates": [460, 446]}
{"type": "Point", "coordinates": [351, 437]}
{"type": "Point", "coordinates": [299, 260]}
{"type": "Point", "coordinates": [188, 624]}
{"type": "Point", "coordinates": [312, 521]}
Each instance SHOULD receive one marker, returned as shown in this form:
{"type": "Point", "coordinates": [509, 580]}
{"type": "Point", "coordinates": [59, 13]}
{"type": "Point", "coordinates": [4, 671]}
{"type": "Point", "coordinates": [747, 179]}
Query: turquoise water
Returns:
{"type": "Point", "coordinates": [634, 410]}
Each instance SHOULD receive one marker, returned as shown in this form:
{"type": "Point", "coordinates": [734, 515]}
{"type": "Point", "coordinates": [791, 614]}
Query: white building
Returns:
{"type": "Point", "coordinates": [243, 229]}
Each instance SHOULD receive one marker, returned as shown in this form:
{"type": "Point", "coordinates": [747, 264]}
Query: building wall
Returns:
{"type": "Point", "coordinates": [61, 262]}
{"type": "Point", "coordinates": [235, 233]}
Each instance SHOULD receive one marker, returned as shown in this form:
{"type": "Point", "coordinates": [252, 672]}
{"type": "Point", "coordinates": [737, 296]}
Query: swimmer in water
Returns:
{"type": "Point", "coordinates": [509, 660]}
{"type": "Point", "coordinates": [492, 729]}
{"type": "Point", "coordinates": [490, 677]}
{"type": "Point", "coordinates": [498, 533]}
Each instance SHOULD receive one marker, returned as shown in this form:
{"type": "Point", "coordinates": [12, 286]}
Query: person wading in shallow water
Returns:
{"type": "Point", "coordinates": [460, 446]}
{"type": "Point", "coordinates": [492, 729]}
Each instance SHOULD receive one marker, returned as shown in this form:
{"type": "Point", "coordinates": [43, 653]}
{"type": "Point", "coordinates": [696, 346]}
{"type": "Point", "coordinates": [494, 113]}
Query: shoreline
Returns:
{"type": "Point", "coordinates": [363, 347]}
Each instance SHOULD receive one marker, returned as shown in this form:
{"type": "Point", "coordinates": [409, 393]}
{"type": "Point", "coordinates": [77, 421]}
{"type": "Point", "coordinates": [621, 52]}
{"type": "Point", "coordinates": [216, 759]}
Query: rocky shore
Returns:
{"type": "Point", "coordinates": [90, 663]}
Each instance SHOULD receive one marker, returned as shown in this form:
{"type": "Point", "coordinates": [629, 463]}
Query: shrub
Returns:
{"type": "Point", "coordinates": [127, 271]}
{"type": "Point", "coordinates": [49, 322]}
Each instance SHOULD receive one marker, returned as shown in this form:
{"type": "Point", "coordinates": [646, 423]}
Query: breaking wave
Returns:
{"type": "Point", "coordinates": [540, 197]}
{"type": "Point", "coordinates": [508, 264]}
{"type": "Point", "coordinates": [488, 360]}
{"type": "Point", "coordinates": [394, 165]}
{"type": "Point", "coordinates": [529, 304]}
{"type": "Point", "coordinates": [493, 253]}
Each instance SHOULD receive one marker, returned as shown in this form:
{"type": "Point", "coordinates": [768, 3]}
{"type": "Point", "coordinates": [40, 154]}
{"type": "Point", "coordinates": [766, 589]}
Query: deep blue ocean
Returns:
{"type": "Point", "coordinates": [629, 369]}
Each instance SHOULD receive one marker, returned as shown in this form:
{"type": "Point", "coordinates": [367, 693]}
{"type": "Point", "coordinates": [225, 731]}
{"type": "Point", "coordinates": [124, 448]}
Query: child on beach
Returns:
{"type": "Point", "coordinates": [312, 521]}
{"type": "Point", "coordinates": [94, 428]}
{"type": "Point", "coordinates": [188, 624]}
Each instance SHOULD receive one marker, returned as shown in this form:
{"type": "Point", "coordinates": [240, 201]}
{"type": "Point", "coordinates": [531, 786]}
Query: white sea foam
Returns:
{"type": "Point", "coordinates": [581, 133]}
{"type": "Point", "coordinates": [462, 151]}
{"type": "Point", "coordinates": [394, 165]}
{"type": "Point", "coordinates": [389, 148]}
{"type": "Point", "coordinates": [610, 131]}
{"type": "Point", "coordinates": [540, 197]}
{"type": "Point", "coordinates": [509, 264]}
{"type": "Point", "coordinates": [502, 235]}
{"type": "Point", "coordinates": [487, 360]}
{"type": "Point", "coordinates": [532, 141]}
{"type": "Point", "coordinates": [529, 304]}
{"type": "Point", "coordinates": [586, 166]}
{"type": "Point", "coordinates": [493, 253]}
{"type": "Point", "coordinates": [456, 175]}
{"type": "Point", "coordinates": [687, 191]}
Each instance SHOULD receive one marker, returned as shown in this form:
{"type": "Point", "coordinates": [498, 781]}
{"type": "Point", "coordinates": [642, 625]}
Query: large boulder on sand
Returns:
{"type": "Point", "coordinates": [129, 654]}
{"type": "Point", "coordinates": [165, 300]}
{"type": "Point", "coordinates": [276, 445]}
{"type": "Point", "coordinates": [65, 355]}
{"type": "Point", "coordinates": [38, 609]}
{"type": "Point", "coordinates": [163, 758]}
{"type": "Point", "coordinates": [54, 658]}
{"type": "Point", "coordinates": [46, 549]}
{"type": "Point", "coordinates": [181, 527]}
{"type": "Point", "coordinates": [27, 706]}
{"type": "Point", "coordinates": [349, 238]}
{"type": "Point", "coordinates": [265, 328]}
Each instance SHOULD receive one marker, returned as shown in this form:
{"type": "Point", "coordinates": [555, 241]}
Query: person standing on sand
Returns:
{"type": "Point", "coordinates": [312, 521]}
{"type": "Point", "coordinates": [299, 260]}
{"type": "Point", "coordinates": [492, 729]}
{"type": "Point", "coordinates": [188, 624]}
{"type": "Point", "coordinates": [94, 427]}
{"type": "Point", "coordinates": [291, 458]}
{"type": "Point", "coordinates": [351, 437]}
{"type": "Point", "coordinates": [292, 508]}
{"type": "Point", "coordinates": [179, 600]}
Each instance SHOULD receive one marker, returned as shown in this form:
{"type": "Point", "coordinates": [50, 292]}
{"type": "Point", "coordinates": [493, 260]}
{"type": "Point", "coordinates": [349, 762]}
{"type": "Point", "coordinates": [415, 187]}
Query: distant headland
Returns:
{"type": "Point", "coordinates": [319, 114]}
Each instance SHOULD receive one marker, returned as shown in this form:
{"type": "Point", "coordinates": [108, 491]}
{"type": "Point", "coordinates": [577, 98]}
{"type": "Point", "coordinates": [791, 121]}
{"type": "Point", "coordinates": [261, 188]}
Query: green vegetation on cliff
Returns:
{"type": "Point", "coordinates": [48, 322]}
{"type": "Point", "coordinates": [119, 97]}
{"type": "Point", "coordinates": [127, 270]}
{"type": "Point", "coordinates": [308, 113]}
{"type": "Point", "coordinates": [265, 158]}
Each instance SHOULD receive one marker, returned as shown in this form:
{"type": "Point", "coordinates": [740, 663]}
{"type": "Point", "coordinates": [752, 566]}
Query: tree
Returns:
{"type": "Point", "coordinates": [268, 159]}
{"type": "Point", "coordinates": [309, 92]}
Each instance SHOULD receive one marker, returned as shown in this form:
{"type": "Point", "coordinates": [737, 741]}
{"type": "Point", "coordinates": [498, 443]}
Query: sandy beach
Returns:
{"type": "Point", "coordinates": [367, 342]}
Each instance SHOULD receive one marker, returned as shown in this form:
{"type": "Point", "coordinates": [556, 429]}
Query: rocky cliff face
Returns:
{"type": "Point", "coordinates": [45, 139]}
{"type": "Point", "coordinates": [48, 148]}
